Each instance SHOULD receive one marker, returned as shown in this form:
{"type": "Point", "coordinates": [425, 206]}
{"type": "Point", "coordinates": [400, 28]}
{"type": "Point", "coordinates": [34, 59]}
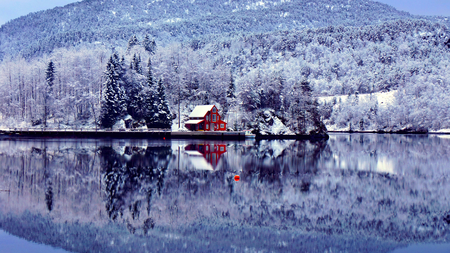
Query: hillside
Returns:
{"type": "Point", "coordinates": [112, 22]}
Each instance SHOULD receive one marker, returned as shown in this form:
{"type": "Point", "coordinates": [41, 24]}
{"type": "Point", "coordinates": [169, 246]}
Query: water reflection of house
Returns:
{"type": "Point", "coordinates": [210, 152]}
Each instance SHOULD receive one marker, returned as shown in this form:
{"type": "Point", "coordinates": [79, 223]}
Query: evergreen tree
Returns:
{"type": "Point", "coordinates": [305, 110]}
{"type": "Point", "coordinates": [113, 102]}
{"type": "Point", "coordinates": [149, 44]}
{"type": "Point", "coordinates": [162, 118]}
{"type": "Point", "coordinates": [136, 100]}
{"type": "Point", "coordinates": [50, 79]}
{"type": "Point", "coordinates": [149, 97]}
{"type": "Point", "coordinates": [133, 41]}
{"type": "Point", "coordinates": [231, 88]}
{"type": "Point", "coordinates": [136, 64]}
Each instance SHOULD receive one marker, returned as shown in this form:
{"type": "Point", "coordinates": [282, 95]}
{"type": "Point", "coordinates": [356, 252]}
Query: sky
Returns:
{"type": "Point", "coordinates": [10, 9]}
{"type": "Point", "coordinates": [421, 7]}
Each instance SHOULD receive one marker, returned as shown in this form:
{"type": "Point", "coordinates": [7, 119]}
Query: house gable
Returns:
{"type": "Point", "coordinates": [205, 118]}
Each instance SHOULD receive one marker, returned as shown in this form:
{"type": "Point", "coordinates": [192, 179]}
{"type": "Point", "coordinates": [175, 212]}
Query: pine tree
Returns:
{"type": "Point", "coordinates": [133, 41]}
{"type": "Point", "coordinates": [162, 118]}
{"type": "Point", "coordinates": [149, 45]}
{"type": "Point", "coordinates": [304, 110]}
{"type": "Point", "coordinates": [231, 88]}
{"type": "Point", "coordinates": [113, 102]}
{"type": "Point", "coordinates": [149, 110]}
{"type": "Point", "coordinates": [136, 64]}
{"type": "Point", "coordinates": [50, 78]}
{"type": "Point", "coordinates": [136, 100]}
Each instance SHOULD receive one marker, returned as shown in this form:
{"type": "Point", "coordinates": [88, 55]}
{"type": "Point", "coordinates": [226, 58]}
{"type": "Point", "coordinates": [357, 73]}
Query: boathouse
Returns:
{"type": "Point", "coordinates": [205, 118]}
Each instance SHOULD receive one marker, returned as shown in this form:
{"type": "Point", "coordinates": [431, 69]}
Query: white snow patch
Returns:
{"type": "Point", "coordinates": [278, 127]}
{"type": "Point", "coordinates": [120, 125]}
{"type": "Point", "coordinates": [384, 98]}
{"type": "Point", "coordinates": [173, 20]}
{"type": "Point", "coordinates": [441, 131]}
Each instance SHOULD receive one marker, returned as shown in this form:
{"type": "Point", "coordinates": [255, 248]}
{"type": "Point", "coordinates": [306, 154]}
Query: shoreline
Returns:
{"type": "Point", "coordinates": [152, 134]}
{"type": "Point", "coordinates": [167, 134]}
{"type": "Point", "coordinates": [390, 132]}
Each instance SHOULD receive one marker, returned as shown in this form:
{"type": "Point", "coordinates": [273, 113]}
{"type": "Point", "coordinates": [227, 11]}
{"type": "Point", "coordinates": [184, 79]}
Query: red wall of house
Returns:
{"type": "Point", "coordinates": [208, 120]}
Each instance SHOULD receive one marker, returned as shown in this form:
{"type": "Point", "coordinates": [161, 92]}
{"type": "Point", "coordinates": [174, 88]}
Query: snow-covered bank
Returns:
{"type": "Point", "coordinates": [398, 111]}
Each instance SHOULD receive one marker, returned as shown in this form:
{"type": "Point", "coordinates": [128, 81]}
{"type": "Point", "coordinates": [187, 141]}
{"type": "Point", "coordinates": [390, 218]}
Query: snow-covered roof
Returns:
{"type": "Point", "coordinates": [200, 111]}
{"type": "Point", "coordinates": [193, 121]}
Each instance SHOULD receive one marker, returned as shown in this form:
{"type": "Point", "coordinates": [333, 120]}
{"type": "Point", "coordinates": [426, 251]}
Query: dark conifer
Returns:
{"type": "Point", "coordinates": [162, 118]}
{"type": "Point", "coordinates": [149, 44]}
{"type": "Point", "coordinates": [133, 41]}
{"type": "Point", "coordinates": [231, 88]}
{"type": "Point", "coordinates": [149, 109]}
{"type": "Point", "coordinates": [113, 102]}
{"type": "Point", "coordinates": [50, 79]}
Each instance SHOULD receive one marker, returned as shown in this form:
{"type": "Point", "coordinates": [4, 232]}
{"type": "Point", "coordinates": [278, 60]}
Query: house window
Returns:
{"type": "Point", "coordinates": [207, 118]}
{"type": "Point", "coordinates": [207, 126]}
{"type": "Point", "coordinates": [214, 118]}
{"type": "Point", "coordinates": [221, 149]}
{"type": "Point", "coordinates": [214, 109]}
{"type": "Point", "coordinates": [207, 148]}
{"type": "Point", "coordinates": [222, 125]}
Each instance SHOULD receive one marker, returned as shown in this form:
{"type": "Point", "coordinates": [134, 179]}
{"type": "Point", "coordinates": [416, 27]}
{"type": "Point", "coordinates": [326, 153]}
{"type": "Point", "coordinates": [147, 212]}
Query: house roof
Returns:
{"type": "Point", "coordinates": [200, 111]}
{"type": "Point", "coordinates": [193, 121]}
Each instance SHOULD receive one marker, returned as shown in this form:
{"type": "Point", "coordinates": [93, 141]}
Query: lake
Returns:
{"type": "Point", "coordinates": [351, 193]}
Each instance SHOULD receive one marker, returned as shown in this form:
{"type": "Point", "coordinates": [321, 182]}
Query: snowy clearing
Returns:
{"type": "Point", "coordinates": [384, 98]}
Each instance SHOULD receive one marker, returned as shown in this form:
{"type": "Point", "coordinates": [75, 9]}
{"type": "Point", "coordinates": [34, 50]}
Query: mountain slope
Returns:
{"type": "Point", "coordinates": [112, 22]}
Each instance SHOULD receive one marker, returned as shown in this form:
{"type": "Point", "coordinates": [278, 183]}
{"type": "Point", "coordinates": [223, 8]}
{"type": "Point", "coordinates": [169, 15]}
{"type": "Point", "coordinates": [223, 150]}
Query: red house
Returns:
{"type": "Point", "coordinates": [205, 118]}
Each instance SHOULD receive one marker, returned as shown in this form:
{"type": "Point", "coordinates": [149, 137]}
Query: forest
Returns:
{"type": "Point", "coordinates": [273, 77]}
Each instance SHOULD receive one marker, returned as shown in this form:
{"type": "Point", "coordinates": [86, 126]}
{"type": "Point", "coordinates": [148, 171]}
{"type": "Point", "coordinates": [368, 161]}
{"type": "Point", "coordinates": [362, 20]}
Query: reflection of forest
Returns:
{"type": "Point", "coordinates": [288, 185]}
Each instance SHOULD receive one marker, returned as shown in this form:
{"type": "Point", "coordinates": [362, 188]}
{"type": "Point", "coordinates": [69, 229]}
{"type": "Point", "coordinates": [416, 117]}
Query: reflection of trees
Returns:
{"type": "Point", "coordinates": [285, 186]}
{"type": "Point", "coordinates": [133, 177]}
{"type": "Point", "coordinates": [266, 162]}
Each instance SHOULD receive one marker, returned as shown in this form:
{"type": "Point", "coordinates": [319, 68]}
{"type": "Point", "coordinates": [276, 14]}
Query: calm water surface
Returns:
{"type": "Point", "coordinates": [352, 193]}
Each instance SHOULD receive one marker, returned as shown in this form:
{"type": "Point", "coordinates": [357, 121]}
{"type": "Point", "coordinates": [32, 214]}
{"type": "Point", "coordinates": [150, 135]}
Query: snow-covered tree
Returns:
{"type": "Point", "coordinates": [136, 64]}
{"type": "Point", "coordinates": [149, 96]}
{"type": "Point", "coordinates": [133, 41]}
{"type": "Point", "coordinates": [149, 45]}
{"type": "Point", "coordinates": [162, 117]}
{"type": "Point", "coordinates": [113, 101]}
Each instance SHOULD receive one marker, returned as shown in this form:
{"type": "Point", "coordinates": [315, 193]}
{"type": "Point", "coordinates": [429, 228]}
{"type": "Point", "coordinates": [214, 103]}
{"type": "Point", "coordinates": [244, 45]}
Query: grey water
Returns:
{"type": "Point", "coordinates": [351, 193]}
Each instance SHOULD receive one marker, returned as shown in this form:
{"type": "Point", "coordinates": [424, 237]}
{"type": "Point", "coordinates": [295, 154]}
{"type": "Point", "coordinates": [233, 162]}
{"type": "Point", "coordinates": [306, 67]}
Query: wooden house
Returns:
{"type": "Point", "coordinates": [205, 118]}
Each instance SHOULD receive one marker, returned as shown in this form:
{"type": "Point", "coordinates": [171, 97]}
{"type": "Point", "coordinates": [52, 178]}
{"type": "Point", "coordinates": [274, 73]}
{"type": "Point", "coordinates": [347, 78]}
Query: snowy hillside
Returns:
{"type": "Point", "coordinates": [112, 22]}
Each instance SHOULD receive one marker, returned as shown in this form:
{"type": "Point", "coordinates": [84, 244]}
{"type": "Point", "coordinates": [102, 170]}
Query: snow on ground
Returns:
{"type": "Point", "coordinates": [384, 98]}
{"type": "Point", "coordinates": [279, 128]}
{"type": "Point", "coordinates": [441, 131]}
